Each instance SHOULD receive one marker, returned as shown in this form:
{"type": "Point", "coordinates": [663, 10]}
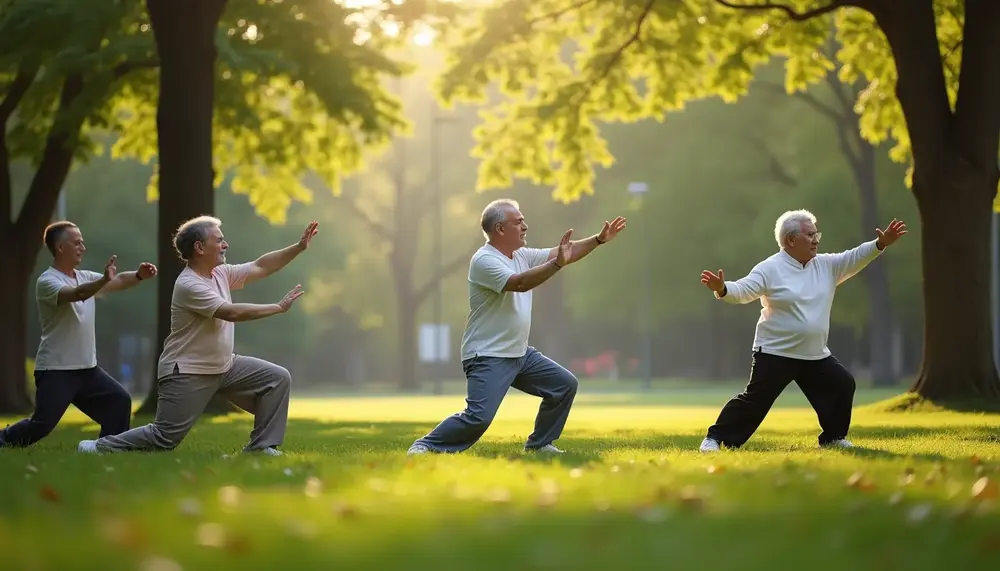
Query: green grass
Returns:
{"type": "Point", "coordinates": [632, 493]}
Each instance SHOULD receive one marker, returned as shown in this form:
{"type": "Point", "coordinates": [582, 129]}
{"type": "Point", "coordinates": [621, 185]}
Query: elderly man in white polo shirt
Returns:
{"type": "Point", "coordinates": [198, 360]}
{"type": "Point", "coordinates": [795, 287]}
{"type": "Point", "coordinates": [66, 369]}
{"type": "Point", "coordinates": [495, 350]}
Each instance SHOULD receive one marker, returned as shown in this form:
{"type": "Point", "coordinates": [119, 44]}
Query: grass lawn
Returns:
{"type": "Point", "coordinates": [631, 493]}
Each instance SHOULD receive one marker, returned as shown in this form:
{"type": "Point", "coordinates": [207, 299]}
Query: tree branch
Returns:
{"type": "Point", "coordinates": [806, 97]}
{"type": "Point", "coordinates": [127, 67]}
{"type": "Point", "coordinates": [920, 85]}
{"type": "Point", "coordinates": [788, 10]}
{"type": "Point", "coordinates": [57, 157]}
{"type": "Point", "coordinates": [977, 115]}
{"type": "Point", "coordinates": [447, 269]}
{"type": "Point", "coordinates": [615, 57]}
{"type": "Point", "coordinates": [375, 226]}
{"type": "Point", "coordinates": [22, 82]}
{"type": "Point", "coordinates": [555, 15]}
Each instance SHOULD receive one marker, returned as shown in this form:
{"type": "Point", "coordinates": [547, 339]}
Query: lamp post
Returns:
{"type": "Point", "coordinates": [639, 189]}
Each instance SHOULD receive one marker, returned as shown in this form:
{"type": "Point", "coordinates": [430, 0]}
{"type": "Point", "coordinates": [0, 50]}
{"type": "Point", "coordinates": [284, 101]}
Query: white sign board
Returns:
{"type": "Point", "coordinates": [638, 188]}
{"type": "Point", "coordinates": [433, 344]}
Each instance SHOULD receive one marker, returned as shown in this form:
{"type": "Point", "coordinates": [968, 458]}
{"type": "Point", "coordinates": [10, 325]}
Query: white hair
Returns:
{"type": "Point", "coordinates": [495, 212]}
{"type": "Point", "coordinates": [789, 224]}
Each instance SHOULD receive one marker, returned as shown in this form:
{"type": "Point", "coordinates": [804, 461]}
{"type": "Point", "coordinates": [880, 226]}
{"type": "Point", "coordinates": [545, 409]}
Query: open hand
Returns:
{"type": "Point", "coordinates": [565, 248]}
{"type": "Point", "coordinates": [611, 229]}
{"type": "Point", "coordinates": [311, 230]}
{"type": "Point", "coordinates": [895, 230]}
{"type": "Point", "coordinates": [714, 282]}
{"type": "Point", "coordinates": [146, 271]}
{"type": "Point", "coordinates": [110, 270]}
{"type": "Point", "coordinates": [290, 297]}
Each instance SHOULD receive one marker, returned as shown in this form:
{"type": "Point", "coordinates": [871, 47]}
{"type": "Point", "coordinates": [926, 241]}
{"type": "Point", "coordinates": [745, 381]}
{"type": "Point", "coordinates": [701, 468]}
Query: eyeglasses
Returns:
{"type": "Point", "coordinates": [817, 235]}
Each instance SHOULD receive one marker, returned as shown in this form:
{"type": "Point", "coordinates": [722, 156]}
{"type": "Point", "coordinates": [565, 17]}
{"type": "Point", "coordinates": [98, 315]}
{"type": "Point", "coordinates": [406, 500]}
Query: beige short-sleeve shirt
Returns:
{"type": "Point", "coordinates": [68, 337]}
{"type": "Point", "coordinates": [199, 343]}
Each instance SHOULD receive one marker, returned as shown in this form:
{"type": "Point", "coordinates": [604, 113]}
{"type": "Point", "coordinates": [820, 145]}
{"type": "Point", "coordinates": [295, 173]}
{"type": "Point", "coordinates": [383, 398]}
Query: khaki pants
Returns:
{"type": "Point", "coordinates": [257, 386]}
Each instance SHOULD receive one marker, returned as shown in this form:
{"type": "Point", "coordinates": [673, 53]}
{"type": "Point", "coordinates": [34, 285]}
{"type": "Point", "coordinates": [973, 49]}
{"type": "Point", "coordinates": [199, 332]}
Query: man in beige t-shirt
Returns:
{"type": "Point", "coordinates": [198, 360]}
{"type": "Point", "coordinates": [66, 370]}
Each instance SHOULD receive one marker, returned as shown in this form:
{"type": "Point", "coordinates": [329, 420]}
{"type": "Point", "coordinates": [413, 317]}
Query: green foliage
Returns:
{"type": "Point", "coordinates": [298, 90]}
{"type": "Point", "coordinates": [52, 40]}
{"type": "Point", "coordinates": [565, 67]}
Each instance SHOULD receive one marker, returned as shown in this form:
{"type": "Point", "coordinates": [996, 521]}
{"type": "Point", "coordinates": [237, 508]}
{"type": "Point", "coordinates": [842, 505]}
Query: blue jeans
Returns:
{"type": "Point", "coordinates": [489, 378]}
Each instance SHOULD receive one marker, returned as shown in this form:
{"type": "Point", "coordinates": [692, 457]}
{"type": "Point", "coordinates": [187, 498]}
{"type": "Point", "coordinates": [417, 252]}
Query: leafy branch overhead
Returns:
{"type": "Point", "coordinates": [564, 67]}
{"type": "Point", "coordinates": [299, 87]}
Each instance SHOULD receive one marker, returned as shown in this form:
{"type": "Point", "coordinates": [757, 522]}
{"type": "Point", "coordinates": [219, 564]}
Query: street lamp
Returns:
{"type": "Point", "coordinates": [639, 189]}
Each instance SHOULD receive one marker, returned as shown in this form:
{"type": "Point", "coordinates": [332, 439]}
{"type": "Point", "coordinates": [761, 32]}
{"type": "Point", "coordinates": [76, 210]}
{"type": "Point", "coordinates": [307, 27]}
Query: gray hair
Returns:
{"type": "Point", "coordinates": [790, 224]}
{"type": "Point", "coordinates": [494, 214]}
{"type": "Point", "coordinates": [194, 230]}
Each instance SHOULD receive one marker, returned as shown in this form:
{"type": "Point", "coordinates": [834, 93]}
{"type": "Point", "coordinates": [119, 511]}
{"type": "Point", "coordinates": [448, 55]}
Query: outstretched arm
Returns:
{"type": "Point", "coordinates": [744, 290]}
{"type": "Point", "coordinates": [126, 280]}
{"type": "Point", "coordinates": [271, 262]}
{"type": "Point", "coordinates": [580, 248]}
{"type": "Point", "coordinates": [846, 264]}
{"type": "Point", "coordinates": [235, 312]}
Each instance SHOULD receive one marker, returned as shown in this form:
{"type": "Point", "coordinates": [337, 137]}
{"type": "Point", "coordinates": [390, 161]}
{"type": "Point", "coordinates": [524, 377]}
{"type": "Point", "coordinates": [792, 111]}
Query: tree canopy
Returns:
{"type": "Point", "coordinates": [565, 67]}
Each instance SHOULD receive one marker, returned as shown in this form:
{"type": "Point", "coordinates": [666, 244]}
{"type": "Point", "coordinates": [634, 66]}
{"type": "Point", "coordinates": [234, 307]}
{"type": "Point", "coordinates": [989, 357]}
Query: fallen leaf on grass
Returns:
{"type": "Point", "coordinates": [714, 469]}
{"type": "Point", "coordinates": [49, 494]}
{"type": "Point", "coordinates": [211, 535]}
{"type": "Point", "coordinates": [31, 468]}
{"type": "Point", "coordinates": [691, 498]}
{"type": "Point", "coordinates": [314, 487]}
{"type": "Point", "coordinates": [157, 563]}
{"type": "Point", "coordinates": [975, 461]}
{"type": "Point", "coordinates": [985, 489]}
{"type": "Point", "coordinates": [230, 496]}
{"type": "Point", "coordinates": [861, 482]}
{"type": "Point", "coordinates": [345, 510]}
{"type": "Point", "coordinates": [122, 533]}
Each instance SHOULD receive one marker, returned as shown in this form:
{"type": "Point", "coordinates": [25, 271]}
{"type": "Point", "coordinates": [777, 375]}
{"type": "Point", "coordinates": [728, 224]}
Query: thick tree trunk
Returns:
{"type": "Point", "coordinates": [185, 39]}
{"type": "Point", "coordinates": [14, 397]}
{"type": "Point", "coordinates": [957, 367]}
{"type": "Point", "coordinates": [23, 240]}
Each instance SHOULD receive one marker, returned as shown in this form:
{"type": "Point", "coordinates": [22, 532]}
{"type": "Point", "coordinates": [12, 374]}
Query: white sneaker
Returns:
{"type": "Point", "coordinates": [548, 449]}
{"type": "Point", "coordinates": [842, 443]}
{"type": "Point", "coordinates": [270, 451]}
{"type": "Point", "coordinates": [709, 445]}
{"type": "Point", "coordinates": [87, 447]}
{"type": "Point", "coordinates": [418, 448]}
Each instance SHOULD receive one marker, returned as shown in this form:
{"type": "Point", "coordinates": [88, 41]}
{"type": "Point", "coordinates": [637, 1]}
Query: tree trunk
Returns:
{"type": "Point", "coordinates": [957, 367]}
{"type": "Point", "coordinates": [407, 335]}
{"type": "Point", "coordinates": [22, 238]}
{"type": "Point", "coordinates": [876, 276]}
{"type": "Point", "coordinates": [14, 397]}
{"type": "Point", "coordinates": [184, 31]}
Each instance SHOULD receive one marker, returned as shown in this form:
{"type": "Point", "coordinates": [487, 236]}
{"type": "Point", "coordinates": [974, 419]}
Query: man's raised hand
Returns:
{"type": "Point", "coordinates": [110, 270]}
{"type": "Point", "coordinates": [311, 230]}
{"type": "Point", "coordinates": [146, 271]}
{"type": "Point", "coordinates": [290, 297]}
{"type": "Point", "coordinates": [565, 248]}
{"type": "Point", "coordinates": [714, 282]}
{"type": "Point", "coordinates": [611, 229]}
{"type": "Point", "coordinates": [895, 231]}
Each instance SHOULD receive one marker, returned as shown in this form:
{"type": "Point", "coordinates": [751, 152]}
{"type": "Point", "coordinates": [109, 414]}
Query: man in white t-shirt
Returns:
{"type": "Point", "coordinates": [495, 350]}
{"type": "Point", "coordinates": [795, 287]}
{"type": "Point", "coordinates": [66, 370]}
{"type": "Point", "coordinates": [198, 360]}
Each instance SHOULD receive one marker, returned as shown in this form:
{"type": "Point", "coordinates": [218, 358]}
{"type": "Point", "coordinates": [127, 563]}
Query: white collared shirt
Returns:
{"type": "Point", "coordinates": [796, 300]}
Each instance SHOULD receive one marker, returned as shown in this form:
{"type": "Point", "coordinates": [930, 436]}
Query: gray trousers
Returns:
{"type": "Point", "coordinates": [488, 379]}
{"type": "Point", "coordinates": [255, 385]}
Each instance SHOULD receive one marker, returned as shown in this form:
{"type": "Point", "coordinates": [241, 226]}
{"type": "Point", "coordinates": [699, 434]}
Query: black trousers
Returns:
{"type": "Point", "coordinates": [827, 385]}
{"type": "Point", "coordinates": [93, 391]}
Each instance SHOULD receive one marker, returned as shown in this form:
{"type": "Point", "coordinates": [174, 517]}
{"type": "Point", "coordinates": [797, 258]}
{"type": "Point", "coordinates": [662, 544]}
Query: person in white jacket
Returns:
{"type": "Point", "coordinates": [795, 287]}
